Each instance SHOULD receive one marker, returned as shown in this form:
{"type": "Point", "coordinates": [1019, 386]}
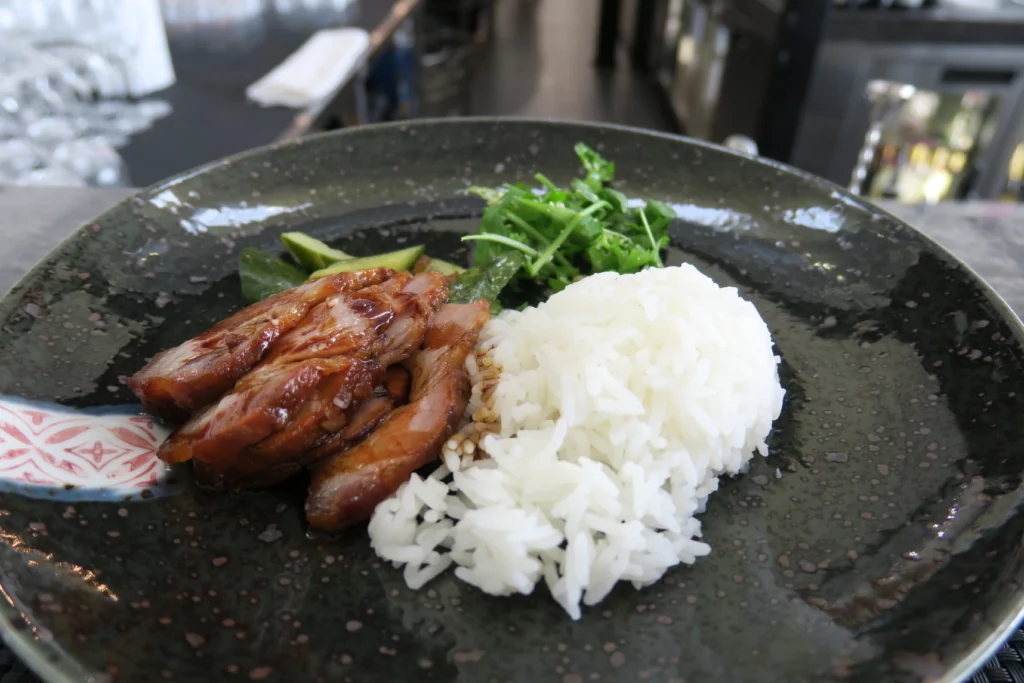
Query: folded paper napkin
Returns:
{"type": "Point", "coordinates": [325, 62]}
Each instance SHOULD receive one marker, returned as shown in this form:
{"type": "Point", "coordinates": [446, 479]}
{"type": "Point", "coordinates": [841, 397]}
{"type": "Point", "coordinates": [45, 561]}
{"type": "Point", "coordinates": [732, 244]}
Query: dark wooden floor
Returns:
{"type": "Point", "coordinates": [540, 63]}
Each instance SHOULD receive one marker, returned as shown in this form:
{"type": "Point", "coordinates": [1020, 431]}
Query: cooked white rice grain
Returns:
{"type": "Point", "coordinates": [598, 425]}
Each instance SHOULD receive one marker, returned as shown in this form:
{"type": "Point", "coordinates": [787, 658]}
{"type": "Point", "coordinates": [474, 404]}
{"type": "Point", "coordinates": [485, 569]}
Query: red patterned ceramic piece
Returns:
{"type": "Point", "coordinates": [78, 451]}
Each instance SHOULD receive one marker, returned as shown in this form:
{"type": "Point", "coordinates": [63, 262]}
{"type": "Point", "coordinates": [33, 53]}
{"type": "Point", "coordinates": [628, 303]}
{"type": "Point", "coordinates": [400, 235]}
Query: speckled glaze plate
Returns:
{"type": "Point", "coordinates": [889, 549]}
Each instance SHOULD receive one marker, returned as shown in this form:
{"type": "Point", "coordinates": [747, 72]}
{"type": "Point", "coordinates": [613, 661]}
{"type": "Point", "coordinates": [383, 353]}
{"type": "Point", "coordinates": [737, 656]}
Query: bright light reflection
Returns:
{"type": "Point", "coordinates": [815, 218]}
{"type": "Point", "coordinates": [230, 216]}
{"type": "Point", "coordinates": [86, 575]}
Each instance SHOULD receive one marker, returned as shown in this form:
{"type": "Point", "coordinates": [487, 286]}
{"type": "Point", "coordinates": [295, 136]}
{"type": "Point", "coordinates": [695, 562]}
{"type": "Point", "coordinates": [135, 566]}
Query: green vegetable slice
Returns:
{"type": "Point", "coordinates": [311, 253]}
{"type": "Point", "coordinates": [403, 259]}
{"type": "Point", "coordinates": [263, 275]}
{"type": "Point", "coordinates": [487, 280]}
{"type": "Point", "coordinates": [436, 265]}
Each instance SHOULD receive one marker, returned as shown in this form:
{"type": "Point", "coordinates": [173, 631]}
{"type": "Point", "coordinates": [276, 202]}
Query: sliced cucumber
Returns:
{"type": "Point", "coordinates": [436, 265]}
{"type": "Point", "coordinates": [403, 259]}
{"type": "Point", "coordinates": [311, 253]}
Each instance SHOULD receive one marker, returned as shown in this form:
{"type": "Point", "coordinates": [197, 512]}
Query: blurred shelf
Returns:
{"type": "Point", "coordinates": [955, 26]}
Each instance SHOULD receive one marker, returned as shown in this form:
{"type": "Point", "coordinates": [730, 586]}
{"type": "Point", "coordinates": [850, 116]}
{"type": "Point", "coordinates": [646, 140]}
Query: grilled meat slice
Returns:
{"type": "Point", "coordinates": [260, 433]}
{"type": "Point", "coordinates": [400, 340]}
{"type": "Point", "coordinates": [309, 388]}
{"type": "Point", "coordinates": [181, 380]}
{"type": "Point", "coordinates": [346, 488]}
{"type": "Point", "coordinates": [366, 419]}
{"type": "Point", "coordinates": [345, 325]}
{"type": "Point", "coordinates": [397, 382]}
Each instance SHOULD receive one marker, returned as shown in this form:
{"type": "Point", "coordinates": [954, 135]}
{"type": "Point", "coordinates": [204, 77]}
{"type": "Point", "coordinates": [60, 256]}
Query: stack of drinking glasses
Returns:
{"type": "Point", "coordinates": [65, 105]}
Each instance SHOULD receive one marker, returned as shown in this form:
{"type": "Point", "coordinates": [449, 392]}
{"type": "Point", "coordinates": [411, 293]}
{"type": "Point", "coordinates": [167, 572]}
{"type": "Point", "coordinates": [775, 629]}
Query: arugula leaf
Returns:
{"type": "Point", "coordinates": [660, 211]}
{"type": "Point", "coordinates": [615, 199]}
{"type": "Point", "coordinates": [486, 281]}
{"type": "Point", "coordinates": [618, 253]}
{"type": "Point", "coordinates": [494, 223]}
{"type": "Point", "coordinates": [599, 170]}
{"type": "Point", "coordinates": [559, 234]}
{"type": "Point", "coordinates": [263, 275]}
{"type": "Point", "coordinates": [585, 191]}
{"type": "Point", "coordinates": [491, 195]}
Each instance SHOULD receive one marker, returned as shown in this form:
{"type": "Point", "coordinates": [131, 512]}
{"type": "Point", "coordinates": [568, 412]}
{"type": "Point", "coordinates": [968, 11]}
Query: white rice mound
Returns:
{"type": "Point", "coordinates": [620, 402]}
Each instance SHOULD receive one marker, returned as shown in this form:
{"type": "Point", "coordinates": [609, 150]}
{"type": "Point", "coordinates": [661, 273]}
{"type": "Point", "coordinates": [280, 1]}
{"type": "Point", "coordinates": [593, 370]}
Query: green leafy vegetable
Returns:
{"type": "Point", "coordinates": [528, 240]}
{"type": "Point", "coordinates": [264, 275]}
{"type": "Point", "coordinates": [486, 280]}
{"type": "Point", "coordinates": [491, 195]}
{"type": "Point", "coordinates": [567, 233]}
{"type": "Point", "coordinates": [599, 170]}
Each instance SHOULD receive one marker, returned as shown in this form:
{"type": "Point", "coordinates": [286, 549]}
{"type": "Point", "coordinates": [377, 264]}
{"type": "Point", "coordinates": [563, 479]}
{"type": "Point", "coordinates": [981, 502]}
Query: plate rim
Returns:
{"type": "Point", "coordinates": [52, 664]}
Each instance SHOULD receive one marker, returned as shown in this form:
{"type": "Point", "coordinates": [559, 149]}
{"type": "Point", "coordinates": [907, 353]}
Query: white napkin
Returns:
{"type": "Point", "coordinates": [149, 67]}
{"type": "Point", "coordinates": [314, 71]}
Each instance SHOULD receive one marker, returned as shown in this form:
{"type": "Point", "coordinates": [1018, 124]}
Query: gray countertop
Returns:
{"type": "Point", "coordinates": [35, 220]}
{"type": "Point", "coordinates": [988, 237]}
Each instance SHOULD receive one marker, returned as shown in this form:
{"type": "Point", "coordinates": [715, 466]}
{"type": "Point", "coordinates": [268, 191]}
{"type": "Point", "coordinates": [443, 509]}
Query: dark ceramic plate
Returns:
{"type": "Point", "coordinates": [889, 549]}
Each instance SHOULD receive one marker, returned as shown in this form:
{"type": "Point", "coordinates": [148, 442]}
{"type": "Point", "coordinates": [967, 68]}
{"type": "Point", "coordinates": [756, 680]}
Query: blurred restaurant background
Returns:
{"type": "Point", "coordinates": [915, 100]}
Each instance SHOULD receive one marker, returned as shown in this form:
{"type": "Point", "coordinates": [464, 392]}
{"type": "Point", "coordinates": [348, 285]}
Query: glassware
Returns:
{"type": "Point", "coordinates": [9, 126]}
{"type": "Point", "coordinates": [94, 159]}
{"type": "Point", "coordinates": [925, 146]}
{"type": "Point", "coordinates": [53, 176]}
{"type": "Point", "coordinates": [98, 72]}
{"type": "Point", "coordinates": [886, 99]}
{"type": "Point", "coordinates": [154, 109]}
{"type": "Point", "coordinates": [64, 91]}
{"type": "Point", "coordinates": [18, 156]}
{"type": "Point", "coordinates": [49, 131]}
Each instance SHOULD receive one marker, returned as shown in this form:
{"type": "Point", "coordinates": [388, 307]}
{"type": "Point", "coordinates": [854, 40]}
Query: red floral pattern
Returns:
{"type": "Point", "coordinates": [56, 448]}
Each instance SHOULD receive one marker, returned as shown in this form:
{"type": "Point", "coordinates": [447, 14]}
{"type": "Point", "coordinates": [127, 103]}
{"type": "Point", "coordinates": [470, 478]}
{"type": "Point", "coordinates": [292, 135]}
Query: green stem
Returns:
{"type": "Point", "coordinates": [650, 236]}
{"type": "Point", "coordinates": [526, 227]}
{"type": "Point", "coordinates": [501, 239]}
{"type": "Point", "coordinates": [535, 234]}
{"type": "Point", "coordinates": [616, 233]}
{"type": "Point", "coordinates": [557, 213]}
{"type": "Point", "coordinates": [546, 182]}
{"type": "Point", "coordinates": [546, 255]}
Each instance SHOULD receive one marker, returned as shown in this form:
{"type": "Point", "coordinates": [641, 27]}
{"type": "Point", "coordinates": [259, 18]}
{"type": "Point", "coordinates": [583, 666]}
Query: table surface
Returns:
{"type": "Point", "coordinates": [987, 237]}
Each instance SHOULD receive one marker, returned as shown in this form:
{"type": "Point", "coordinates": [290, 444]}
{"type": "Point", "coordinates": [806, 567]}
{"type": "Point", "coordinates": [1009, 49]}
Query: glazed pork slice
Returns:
{"type": "Point", "coordinates": [261, 432]}
{"type": "Point", "coordinates": [310, 388]}
{"type": "Point", "coordinates": [346, 325]}
{"type": "Point", "coordinates": [397, 382]}
{"type": "Point", "coordinates": [400, 340]}
{"type": "Point", "coordinates": [179, 381]}
{"type": "Point", "coordinates": [346, 488]}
